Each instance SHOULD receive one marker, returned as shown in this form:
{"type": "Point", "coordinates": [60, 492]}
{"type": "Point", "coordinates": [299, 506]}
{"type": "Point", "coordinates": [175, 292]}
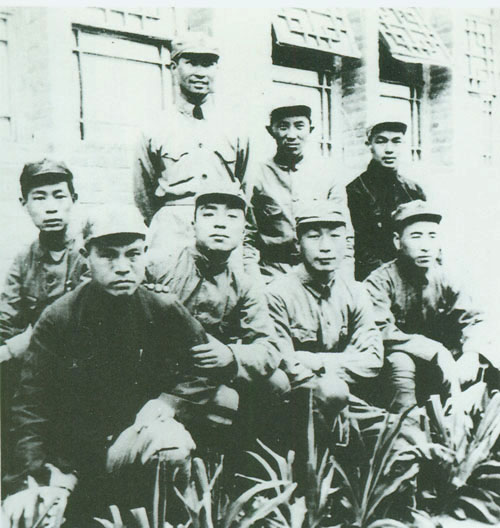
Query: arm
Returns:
{"type": "Point", "coordinates": [33, 409]}
{"type": "Point", "coordinates": [251, 254]}
{"type": "Point", "coordinates": [13, 318]}
{"type": "Point", "coordinates": [257, 355]}
{"type": "Point", "coordinates": [395, 340]}
{"type": "Point", "coordinates": [363, 356]}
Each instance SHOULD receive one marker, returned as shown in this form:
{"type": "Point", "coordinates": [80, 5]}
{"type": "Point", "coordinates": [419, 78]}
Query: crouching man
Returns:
{"type": "Point", "coordinates": [323, 320]}
{"type": "Point", "coordinates": [209, 280]}
{"type": "Point", "coordinates": [433, 335]}
{"type": "Point", "coordinates": [103, 386]}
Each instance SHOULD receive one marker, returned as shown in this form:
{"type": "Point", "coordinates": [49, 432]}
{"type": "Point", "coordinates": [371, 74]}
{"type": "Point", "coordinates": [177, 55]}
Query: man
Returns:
{"type": "Point", "coordinates": [214, 288]}
{"type": "Point", "coordinates": [275, 189]}
{"type": "Point", "coordinates": [324, 321]}
{"type": "Point", "coordinates": [431, 330]}
{"type": "Point", "coordinates": [192, 144]}
{"type": "Point", "coordinates": [374, 195]}
{"type": "Point", "coordinates": [42, 272]}
{"type": "Point", "coordinates": [109, 371]}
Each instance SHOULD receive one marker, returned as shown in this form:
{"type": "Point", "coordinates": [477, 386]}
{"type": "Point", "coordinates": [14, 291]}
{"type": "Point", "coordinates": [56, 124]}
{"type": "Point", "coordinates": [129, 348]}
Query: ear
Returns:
{"type": "Point", "coordinates": [311, 128]}
{"type": "Point", "coordinates": [22, 201]}
{"type": "Point", "coordinates": [269, 128]}
{"type": "Point", "coordinates": [397, 241]}
{"type": "Point", "coordinates": [74, 197]}
{"type": "Point", "coordinates": [173, 65]}
{"type": "Point", "coordinates": [84, 252]}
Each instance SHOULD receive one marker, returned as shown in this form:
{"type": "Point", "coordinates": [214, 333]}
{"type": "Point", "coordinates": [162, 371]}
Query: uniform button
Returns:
{"type": "Point", "coordinates": [200, 145]}
{"type": "Point", "coordinates": [204, 176]}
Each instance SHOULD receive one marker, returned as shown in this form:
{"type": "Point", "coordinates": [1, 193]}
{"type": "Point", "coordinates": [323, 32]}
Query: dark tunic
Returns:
{"type": "Point", "coordinates": [372, 197]}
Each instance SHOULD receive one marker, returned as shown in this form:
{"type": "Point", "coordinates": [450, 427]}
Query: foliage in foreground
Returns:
{"type": "Point", "coordinates": [460, 473]}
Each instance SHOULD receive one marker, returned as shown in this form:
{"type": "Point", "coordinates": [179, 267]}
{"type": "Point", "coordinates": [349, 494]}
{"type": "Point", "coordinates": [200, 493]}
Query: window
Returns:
{"type": "Point", "coordinates": [307, 44]}
{"type": "Point", "coordinates": [5, 115]}
{"type": "Point", "coordinates": [480, 58]}
{"type": "Point", "coordinates": [405, 43]}
{"type": "Point", "coordinates": [315, 88]}
{"type": "Point", "coordinates": [480, 85]}
{"type": "Point", "coordinates": [122, 80]}
{"type": "Point", "coordinates": [409, 38]}
{"type": "Point", "coordinates": [151, 21]}
{"type": "Point", "coordinates": [322, 30]}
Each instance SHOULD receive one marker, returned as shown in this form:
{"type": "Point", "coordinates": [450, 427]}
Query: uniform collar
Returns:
{"type": "Point", "coordinates": [285, 164]}
{"type": "Point", "coordinates": [318, 289]}
{"type": "Point", "coordinates": [186, 108]}
{"type": "Point", "coordinates": [43, 249]}
{"type": "Point", "coordinates": [206, 267]}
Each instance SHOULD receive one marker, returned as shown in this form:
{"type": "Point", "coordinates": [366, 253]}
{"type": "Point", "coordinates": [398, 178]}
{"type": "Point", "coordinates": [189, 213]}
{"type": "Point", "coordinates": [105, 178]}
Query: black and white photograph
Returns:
{"type": "Point", "coordinates": [250, 266]}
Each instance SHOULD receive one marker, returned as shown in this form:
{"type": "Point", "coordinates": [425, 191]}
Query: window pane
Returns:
{"type": "Point", "coordinates": [117, 96]}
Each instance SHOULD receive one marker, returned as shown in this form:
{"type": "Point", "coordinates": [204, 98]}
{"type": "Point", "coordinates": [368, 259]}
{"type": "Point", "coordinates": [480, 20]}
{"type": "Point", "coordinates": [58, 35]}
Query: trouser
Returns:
{"type": "Point", "coordinates": [411, 381]}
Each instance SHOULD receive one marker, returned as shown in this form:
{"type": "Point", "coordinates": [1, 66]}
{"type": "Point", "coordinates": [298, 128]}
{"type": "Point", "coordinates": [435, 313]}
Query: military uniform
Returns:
{"type": "Point", "coordinates": [334, 321]}
{"type": "Point", "coordinates": [230, 307]}
{"type": "Point", "coordinates": [372, 197]}
{"type": "Point", "coordinates": [188, 147]}
{"type": "Point", "coordinates": [275, 190]}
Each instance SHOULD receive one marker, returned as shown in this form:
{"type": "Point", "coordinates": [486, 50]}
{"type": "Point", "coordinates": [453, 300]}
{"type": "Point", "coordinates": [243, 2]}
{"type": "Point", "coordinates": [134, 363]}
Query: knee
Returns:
{"type": "Point", "coordinates": [332, 392]}
{"type": "Point", "coordinates": [223, 406]}
{"type": "Point", "coordinates": [399, 362]}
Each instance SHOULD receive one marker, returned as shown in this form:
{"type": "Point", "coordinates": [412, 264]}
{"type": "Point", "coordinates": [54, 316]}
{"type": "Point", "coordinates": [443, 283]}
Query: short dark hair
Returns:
{"type": "Point", "coordinates": [388, 126]}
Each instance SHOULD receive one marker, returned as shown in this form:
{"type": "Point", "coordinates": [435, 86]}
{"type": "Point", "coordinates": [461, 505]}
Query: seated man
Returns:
{"type": "Point", "coordinates": [43, 271]}
{"type": "Point", "coordinates": [425, 318]}
{"type": "Point", "coordinates": [295, 173]}
{"type": "Point", "coordinates": [323, 320]}
{"type": "Point", "coordinates": [232, 308]}
{"type": "Point", "coordinates": [109, 369]}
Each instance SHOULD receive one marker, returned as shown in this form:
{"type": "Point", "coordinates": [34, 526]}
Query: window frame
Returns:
{"type": "Point", "coordinates": [163, 62]}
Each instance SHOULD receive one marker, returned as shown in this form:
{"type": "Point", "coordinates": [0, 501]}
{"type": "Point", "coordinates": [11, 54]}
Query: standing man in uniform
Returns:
{"type": "Point", "coordinates": [294, 174]}
{"type": "Point", "coordinates": [432, 331]}
{"type": "Point", "coordinates": [106, 384]}
{"type": "Point", "coordinates": [192, 144]}
{"type": "Point", "coordinates": [324, 321]}
{"type": "Point", "coordinates": [374, 195]}
{"type": "Point", "coordinates": [42, 272]}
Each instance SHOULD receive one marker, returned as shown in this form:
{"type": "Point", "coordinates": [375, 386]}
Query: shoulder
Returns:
{"type": "Point", "coordinates": [355, 186]}
{"type": "Point", "coordinates": [411, 185]}
{"type": "Point", "coordinates": [383, 272]}
{"type": "Point", "coordinates": [284, 287]}
{"type": "Point", "coordinates": [63, 308]}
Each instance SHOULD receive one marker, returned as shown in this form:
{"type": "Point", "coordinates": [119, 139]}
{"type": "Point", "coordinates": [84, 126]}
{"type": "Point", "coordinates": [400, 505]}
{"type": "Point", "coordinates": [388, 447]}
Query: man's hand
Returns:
{"type": "Point", "coordinates": [468, 367]}
{"type": "Point", "coordinates": [18, 344]}
{"type": "Point", "coordinates": [24, 508]}
{"type": "Point", "coordinates": [213, 354]}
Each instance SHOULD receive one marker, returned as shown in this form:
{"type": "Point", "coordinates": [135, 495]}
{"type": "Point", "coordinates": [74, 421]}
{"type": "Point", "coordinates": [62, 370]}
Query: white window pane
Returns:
{"type": "Point", "coordinates": [118, 90]}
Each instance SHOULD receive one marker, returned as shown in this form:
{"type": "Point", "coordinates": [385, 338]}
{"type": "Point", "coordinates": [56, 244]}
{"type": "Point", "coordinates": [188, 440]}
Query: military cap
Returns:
{"type": "Point", "coordinates": [386, 121]}
{"type": "Point", "coordinates": [194, 42]}
{"type": "Point", "coordinates": [38, 172]}
{"type": "Point", "coordinates": [229, 193]}
{"type": "Point", "coordinates": [319, 211]}
{"type": "Point", "coordinates": [414, 211]}
{"type": "Point", "coordinates": [289, 108]}
{"type": "Point", "coordinates": [114, 220]}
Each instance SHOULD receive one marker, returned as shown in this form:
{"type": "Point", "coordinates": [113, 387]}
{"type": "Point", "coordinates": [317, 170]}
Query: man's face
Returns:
{"type": "Point", "coordinates": [117, 263]}
{"type": "Point", "coordinates": [195, 73]}
{"type": "Point", "coordinates": [323, 247]}
{"type": "Point", "coordinates": [420, 242]}
{"type": "Point", "coordinates": [385, 147]}
{"type": "Point", "coordinates": [291, 134]}
{"type": "Point", "coordinates": [219, 227]}
{"type": "Point", "coordinates": [49, 206]}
